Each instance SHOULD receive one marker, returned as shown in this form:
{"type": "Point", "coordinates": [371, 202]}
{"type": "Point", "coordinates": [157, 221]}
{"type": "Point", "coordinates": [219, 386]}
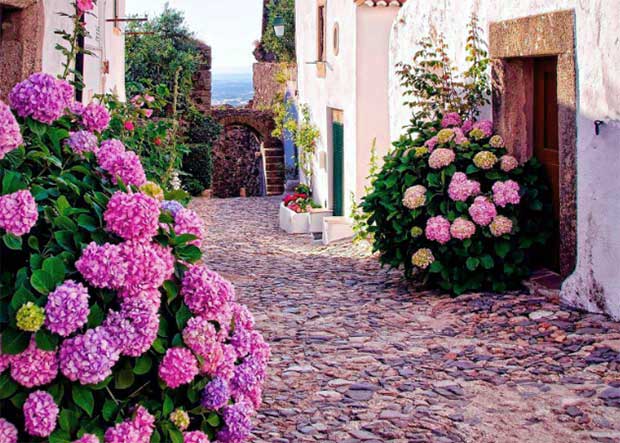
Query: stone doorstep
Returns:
{"type": "Point", "coordinates": [335, 229]}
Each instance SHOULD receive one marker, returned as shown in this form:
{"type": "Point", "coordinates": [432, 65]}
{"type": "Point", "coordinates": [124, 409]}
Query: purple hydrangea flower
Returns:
{"type": "Point", "coordinates": [95, 117]}
{"type": "Point", "coordinates": [89, 358]}
{"type": "Point", "coordinates": [42, 97]}
{"type": "Point", "coordinates": [10, 134]}
{"type": "Point", "coordinates": [40, 414]}
{"type": "Point", "coordinates": [109, 152]}
{"type": "Point", "coordinates": [238, 424]}
{"type": "Point", "coordinates": [18, 212]}
{"type": "Point", "coordinates": [171, 206]}
{"type": "Point", "coordinates": [136, 430]}
{"type": "Point", "coordinates": [216, 394]}
{"type": "Point", "coordinates": [67, 308]}
{"type": "Point", "coordinates": [83, 141]}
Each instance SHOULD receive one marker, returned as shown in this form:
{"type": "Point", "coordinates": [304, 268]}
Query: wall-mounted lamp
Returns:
{"type": "Point", "coordinates": [278, 26]}
{"type": "Point", "coordinates": [597, 126]}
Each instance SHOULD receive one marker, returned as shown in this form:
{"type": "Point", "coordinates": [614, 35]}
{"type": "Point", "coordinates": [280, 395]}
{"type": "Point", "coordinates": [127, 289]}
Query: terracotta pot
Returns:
{"type": "Point", "coordinates": [207, 193]}
{"type": "Point", "coordinates": [243, 193]}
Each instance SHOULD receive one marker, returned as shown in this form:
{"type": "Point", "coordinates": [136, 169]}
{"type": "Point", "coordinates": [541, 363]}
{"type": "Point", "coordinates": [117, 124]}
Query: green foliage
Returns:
{"type": "Point", "coordinates": [358, 216]}
{"type": "Point", "coordinates": [282, 47]}
{"type": "Point", "coordinates": [482, 262]}
{"type": "Point", "coordinates": [433, 84]}
{"type": "Point", "coordinates": [198, 165]}
{"type": "Point", "coordinates": [168, 50]}
{"type": "Point", "coordinates": [203, 129]}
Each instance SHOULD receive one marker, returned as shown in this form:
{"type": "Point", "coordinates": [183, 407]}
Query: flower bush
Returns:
{"type": "Point", "coordinates": [113, 329]}
{"type": "Point", "coordinates": [301, 200]}
{"type": "Point", "coordinates": [451, 205]}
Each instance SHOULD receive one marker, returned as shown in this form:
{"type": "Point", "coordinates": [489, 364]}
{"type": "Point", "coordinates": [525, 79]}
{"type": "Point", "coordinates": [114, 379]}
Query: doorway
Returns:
{"type": "Point", "coordinates": [338, 162]}
{"type": "Point", "coordinates": [546, 146]}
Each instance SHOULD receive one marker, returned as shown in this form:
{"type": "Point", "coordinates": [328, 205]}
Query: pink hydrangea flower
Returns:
{"type": "Point", "coordinates": [242, 316]}
{"type": "Point", "coordinates": [482, 211]}
{"type": "Point", "coordinates": [95, 117]}
{"type": "Point", "coordinates": [18, 212]}
{"type": "Point", "coordinates": [8, 432]}
{"type": "Point", "coordinates": [468, 125]}
{"type": "Point", "coordinates": [205, 291]}
{"type": "Point", "coordinates": [5, 359]}
{"type": "Point", "coordinates": [441, 157]}
{"type": "Point", "coordinates": [451, 119]}
{"type": "Point", "coordinates": [508, 163]}
{"type": "Point", "coordinates": [188, 222]}
{"type": "Point", "coordinates": [133, 329]}
{"type": "Point", "coordinates": [42, 97]}
{"type": "Point", "coordinates": [148, 265]}
{"type": "Point", "coordinates": [103, 266]}
{"type": "Point", "coordinates": [34, 367]}
{"type": "Point", "coordinates": [83, 141]}
{"type": "Point", "coordinates": [431, 143]}
{"type": "Point", "coordinates": [505, 193]}
{"type": "Point", "coordinates": [87, 438]}
{"type": "Point", "coordinates": [178, 367]}
{"type": "Point", "coordinates": [89, 358]}
{"type": "Point", "coordinates": [67, 308]}
{"type": "Point", "coordinates": [85, 5]}
{"type": "Point", "coordinates": [10, 134]}
{"type": "Point", "coordinates": [129, 169]}
{"type": "Point", "coordinates": [132, 216]}
{"type": "Point", "coordinates": [462, 229]}
{"type": "Point", "coordinates": [139, 429]}
{"type": "Point", "coordinates": [224, 366]}
{"type": "Point", "coordinates": [438, 229]}
{"type": "Point", "coordinates": [109, 152]}
{"type": "Point", "coordinates": [486, 126]}
{"type": "Point", "coordinates": [461, 188]}
{"type": "Point", "coordinates": [195, 437]}
{"type": "Point", "coordinates": [500, 226]}
{"type": "Point", "coordinates": [200, 336]}
{"type": "Point", "coordinates": [40, 414]}
{"type": "Point", "coordinates": [459, 137]}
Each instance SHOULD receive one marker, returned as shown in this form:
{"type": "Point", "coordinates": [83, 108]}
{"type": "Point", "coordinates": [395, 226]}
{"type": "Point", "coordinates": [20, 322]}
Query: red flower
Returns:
{"type": "Point", "coordinates": [129, 126]}
{"type": "Point", "coordinates": [157, 141]}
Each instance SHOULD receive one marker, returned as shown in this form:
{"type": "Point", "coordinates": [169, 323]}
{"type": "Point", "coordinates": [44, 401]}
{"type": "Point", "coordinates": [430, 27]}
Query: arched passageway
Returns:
{"type": "Point", "coordinates": [246, 154]}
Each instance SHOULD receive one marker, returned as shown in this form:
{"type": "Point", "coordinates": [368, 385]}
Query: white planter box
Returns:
{"type": "Point", "coordinates": [292, 222]}
{"type": "Point", "coordinates": [316, 219]}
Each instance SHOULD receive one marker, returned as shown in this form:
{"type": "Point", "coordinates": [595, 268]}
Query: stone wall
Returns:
{"type": "Point", "coordinates": [237, 163]}
{"type": "Point", "coordinates": [595, 283]}
{"type": "Point", "coordinates": [202, 93]}
{"type": "Point", "coordinates": [266, 86]}
{"type": "Point", "coordinates": [21, 41]}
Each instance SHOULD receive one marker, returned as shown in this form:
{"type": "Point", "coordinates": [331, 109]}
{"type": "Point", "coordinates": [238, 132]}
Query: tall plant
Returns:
{"type": "Point", "coordinates": [283, 47]}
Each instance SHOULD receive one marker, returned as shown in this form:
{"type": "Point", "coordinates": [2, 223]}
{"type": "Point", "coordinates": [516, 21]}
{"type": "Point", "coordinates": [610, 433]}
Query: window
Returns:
{"type": "Point", "coordinates": [321, 30]}
{"type": "Point", "coordinates": [336, 39]}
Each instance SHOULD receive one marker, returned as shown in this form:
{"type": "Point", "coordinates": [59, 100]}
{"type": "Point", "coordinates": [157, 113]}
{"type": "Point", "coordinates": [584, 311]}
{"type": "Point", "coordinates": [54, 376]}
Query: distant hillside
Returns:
{"type": "Point", "coordinates": [234, 89]}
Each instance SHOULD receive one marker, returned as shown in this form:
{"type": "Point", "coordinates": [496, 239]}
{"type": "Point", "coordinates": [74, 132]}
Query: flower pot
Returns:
{"type": "Point", "coordinates": [292, 222]}
{"type": "Point", "coordinates": [207, 193]}
{"type": "Point", "coordinates": [316, 219]}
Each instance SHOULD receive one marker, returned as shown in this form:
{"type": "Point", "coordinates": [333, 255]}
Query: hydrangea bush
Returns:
{"type": "Point", "coordinates": [451, 205]}
{"type": "Point", "coordinates": [113, 329]}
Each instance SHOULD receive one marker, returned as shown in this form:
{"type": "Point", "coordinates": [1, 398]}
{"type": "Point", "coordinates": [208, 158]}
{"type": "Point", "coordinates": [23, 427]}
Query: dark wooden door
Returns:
{"type": "Point", "coordinates": [546, 141]}
{"type": "Point", "coordinates": [338, 171]}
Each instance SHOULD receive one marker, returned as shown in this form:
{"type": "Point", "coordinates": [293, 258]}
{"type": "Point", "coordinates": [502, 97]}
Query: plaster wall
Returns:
{"type": "Point", "coordinates": [106, 42]}
{"type": "Point", "coordinates": [595, 284]}
{"type": "Point", "coordinates": [373, 123]}
{"type": "Point", "coordinates": [337, 90]}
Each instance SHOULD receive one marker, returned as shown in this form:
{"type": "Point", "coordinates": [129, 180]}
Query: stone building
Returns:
{"type": "Point", "coordinates": [28, 41]}
{"type": "Point", "coordinates": [555, 79]}
{"type": "Point", "coordinates": [343, 69]}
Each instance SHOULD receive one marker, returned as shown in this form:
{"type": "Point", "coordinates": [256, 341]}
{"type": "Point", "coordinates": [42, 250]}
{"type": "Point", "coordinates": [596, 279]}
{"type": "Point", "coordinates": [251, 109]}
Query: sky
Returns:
{"type": "Point", "coordinates": [230, 27]}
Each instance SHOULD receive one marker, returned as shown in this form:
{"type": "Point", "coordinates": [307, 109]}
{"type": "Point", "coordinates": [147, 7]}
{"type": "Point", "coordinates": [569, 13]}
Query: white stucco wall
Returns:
{"type": "Point", "coordinates": [336, 90]}
{"type": "Point", "coordinates": [356, 83]}
{"type": "Point", "coordinates": [597, 276]}
{"type": "Point", "coordinates": [107, 44]}
{"type": "Point", "coordinates": [373, 43]}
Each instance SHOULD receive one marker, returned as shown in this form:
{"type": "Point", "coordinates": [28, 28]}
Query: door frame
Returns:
{"type": "Point", "coordinates": [336, 116]}
{"type": "Point", "coordinates": [551, 34]}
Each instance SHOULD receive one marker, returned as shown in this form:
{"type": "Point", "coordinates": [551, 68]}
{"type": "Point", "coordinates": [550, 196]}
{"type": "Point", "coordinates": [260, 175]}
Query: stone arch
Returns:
{"type": "Point", "coordinates": [262, 124]}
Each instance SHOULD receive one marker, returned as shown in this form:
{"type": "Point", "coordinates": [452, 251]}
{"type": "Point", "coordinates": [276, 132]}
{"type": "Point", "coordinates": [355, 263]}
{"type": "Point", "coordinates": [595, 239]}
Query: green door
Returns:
{"type": "Point", "coordinates": [338, 170]}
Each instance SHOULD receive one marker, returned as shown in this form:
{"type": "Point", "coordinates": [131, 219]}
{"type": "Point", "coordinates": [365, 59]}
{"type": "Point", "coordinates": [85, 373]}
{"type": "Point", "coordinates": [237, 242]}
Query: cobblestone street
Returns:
{"type": "Point", "coordinates": [358, 356]}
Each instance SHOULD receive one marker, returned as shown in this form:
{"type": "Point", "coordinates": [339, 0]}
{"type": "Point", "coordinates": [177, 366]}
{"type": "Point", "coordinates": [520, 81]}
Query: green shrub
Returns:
{"type": "Point", "coordinates": [198, 166]}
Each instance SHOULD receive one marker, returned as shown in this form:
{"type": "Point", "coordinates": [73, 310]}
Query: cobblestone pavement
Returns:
{"type": "Point", "coordinates": [360, 357]}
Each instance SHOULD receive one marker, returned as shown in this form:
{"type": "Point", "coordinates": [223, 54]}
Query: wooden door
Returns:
{"type": "Point", "coordinates": [546, 141]}
{"type": "Point", "coordinates": [338, 168]}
